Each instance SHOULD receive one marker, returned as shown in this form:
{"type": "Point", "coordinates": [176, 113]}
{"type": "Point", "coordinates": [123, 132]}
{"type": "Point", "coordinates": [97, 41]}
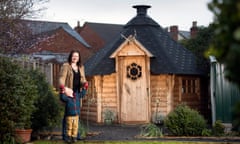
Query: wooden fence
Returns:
{"type": "Point", "coordinates": [51, 70]}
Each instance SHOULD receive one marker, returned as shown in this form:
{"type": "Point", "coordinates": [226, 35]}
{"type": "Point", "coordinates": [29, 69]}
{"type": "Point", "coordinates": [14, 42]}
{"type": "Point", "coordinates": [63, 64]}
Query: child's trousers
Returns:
{"type": "Point", "coordinates": [72, 126]}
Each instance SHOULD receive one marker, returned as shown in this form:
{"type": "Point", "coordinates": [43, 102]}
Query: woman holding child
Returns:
{"type": "Point", "coordinates": [73, 86]}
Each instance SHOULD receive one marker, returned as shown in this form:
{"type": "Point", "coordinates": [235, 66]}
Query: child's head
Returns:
{"type": "Point", "coordinates": [68, 92]}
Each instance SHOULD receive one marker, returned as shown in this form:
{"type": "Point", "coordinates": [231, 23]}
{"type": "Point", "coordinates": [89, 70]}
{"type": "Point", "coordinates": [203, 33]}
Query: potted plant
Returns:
{"type": "Point", "coordinates": [27, 94]}
{"type": "Point", "coordinates": [17, 100]}
{"type": "Point", "coordinates": [158, 118]}
{"type": "Point", "coordinates": [109, 116]}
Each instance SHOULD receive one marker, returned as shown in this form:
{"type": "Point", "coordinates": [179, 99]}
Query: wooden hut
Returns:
{"type": "Point", "coordinates": [141, 73]}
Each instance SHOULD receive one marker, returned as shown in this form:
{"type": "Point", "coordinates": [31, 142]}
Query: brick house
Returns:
{"type": "Point", "coordinates": [55, 38]}
{"type": "Point", "coordinates": [51, 43]}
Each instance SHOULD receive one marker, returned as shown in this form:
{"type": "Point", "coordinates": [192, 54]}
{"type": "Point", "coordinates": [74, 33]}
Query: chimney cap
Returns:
{"type": "Point", "coordinates": [141, 9]}
{"type": "Point", "coordinates": [194, 23]}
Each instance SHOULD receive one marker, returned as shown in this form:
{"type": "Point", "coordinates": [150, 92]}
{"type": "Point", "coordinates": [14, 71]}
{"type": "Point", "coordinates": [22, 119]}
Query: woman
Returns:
{"type": "Point", "coordinates": [73, 86]}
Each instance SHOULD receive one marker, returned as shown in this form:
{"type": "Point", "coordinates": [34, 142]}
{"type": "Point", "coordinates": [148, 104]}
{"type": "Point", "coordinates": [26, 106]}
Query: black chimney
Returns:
{"type": "Point", "coordinates": [141, 9]}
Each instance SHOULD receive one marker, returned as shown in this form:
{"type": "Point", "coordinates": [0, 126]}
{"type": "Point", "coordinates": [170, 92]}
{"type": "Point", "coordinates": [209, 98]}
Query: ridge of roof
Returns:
{"type": "Point", "coordinates": [98, 23]}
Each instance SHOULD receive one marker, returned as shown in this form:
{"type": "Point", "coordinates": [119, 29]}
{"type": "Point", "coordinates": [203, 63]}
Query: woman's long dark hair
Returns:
{"type": "Point", "coordinates": [79, 63]}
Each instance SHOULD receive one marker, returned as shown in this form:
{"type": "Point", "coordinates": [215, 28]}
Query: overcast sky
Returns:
{"type": "Point", "coordinates": [164, 12]}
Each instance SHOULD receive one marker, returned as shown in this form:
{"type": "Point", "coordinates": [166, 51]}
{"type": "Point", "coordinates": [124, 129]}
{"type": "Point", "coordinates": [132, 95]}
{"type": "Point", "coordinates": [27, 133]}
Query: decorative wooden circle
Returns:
{"type": "Point", "coordinates": [134, 71]}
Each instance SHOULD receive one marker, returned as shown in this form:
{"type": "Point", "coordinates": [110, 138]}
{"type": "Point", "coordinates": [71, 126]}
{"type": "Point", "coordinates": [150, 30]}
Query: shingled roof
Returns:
{"type": "Point", "coordinates": [38, 27]}
{"type": "Point", "coordinates": [169, 57]}
{"type": "Point", "coordinates": [106, 31]}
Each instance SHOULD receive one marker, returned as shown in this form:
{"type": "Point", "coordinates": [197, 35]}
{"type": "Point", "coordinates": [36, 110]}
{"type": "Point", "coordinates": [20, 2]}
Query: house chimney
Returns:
{"type": "Point", "coordinates": [78, 27]}
{"type": "Point", "coordinates": [194, 29]}
{"type": "Point", "coordinates": [141, 9]}
{"type": "Point", "coordinates": [174, 32]}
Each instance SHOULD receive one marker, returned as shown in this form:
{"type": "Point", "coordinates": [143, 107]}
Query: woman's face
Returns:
{"type": "Point", "coordinates": [75, 57]}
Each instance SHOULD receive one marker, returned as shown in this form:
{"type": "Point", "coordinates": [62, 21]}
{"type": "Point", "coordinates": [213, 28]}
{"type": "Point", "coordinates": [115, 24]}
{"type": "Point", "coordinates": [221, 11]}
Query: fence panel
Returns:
{"type": "Point", "coordinates": [45, 68]}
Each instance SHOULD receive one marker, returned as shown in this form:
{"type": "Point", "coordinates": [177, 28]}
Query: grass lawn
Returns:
{"type": "Point", "coordinates": [130, 142]}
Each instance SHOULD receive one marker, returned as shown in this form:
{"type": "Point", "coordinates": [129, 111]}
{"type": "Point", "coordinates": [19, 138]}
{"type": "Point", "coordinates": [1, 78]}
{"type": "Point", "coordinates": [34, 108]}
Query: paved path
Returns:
{"type": "Point", "coordinates": [113, 132]}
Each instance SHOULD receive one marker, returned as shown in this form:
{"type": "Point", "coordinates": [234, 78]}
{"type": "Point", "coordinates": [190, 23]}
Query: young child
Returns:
{"type": "Point", "coordinates": [72, 110]}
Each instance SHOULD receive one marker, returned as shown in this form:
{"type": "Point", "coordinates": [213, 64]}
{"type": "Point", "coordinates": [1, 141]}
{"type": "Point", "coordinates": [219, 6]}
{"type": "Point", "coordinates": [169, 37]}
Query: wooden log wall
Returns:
{"type": "Point", "coordinates": [168, 91]}
{"type": "Point", "coordinates": [159, 89]}
{"type": "Point", "coordinates": [90, 101]}
{"type": "Point", "coordinates": [102, 96]}
{"type": "Point", "coordinates": [187, 90]}
{"type": "Point", "coordinates": [196, 95]}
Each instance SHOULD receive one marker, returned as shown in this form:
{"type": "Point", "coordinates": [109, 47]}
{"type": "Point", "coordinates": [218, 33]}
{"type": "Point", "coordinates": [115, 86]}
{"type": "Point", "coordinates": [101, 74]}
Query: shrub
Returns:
{"type": "Point", "coordinates": [48, 111]}
{"type": "Point", "coordinates": [218, 128]}
{"type": "Point", "coordinates": [83, 130]}
{"type": "Point", "coordinates": [18, 94]}
{"type": "Point", "coordinates": [109, 116]}
{"type": "Point", "coordinates": [206, 132]}
{"type": "Point", "coordinates": [184, 121]}
{"type": "Point", "coordinates": [151, 130]}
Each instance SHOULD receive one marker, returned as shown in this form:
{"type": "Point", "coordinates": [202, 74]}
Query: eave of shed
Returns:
{"type": "Point", "coordinates": [131, 39]}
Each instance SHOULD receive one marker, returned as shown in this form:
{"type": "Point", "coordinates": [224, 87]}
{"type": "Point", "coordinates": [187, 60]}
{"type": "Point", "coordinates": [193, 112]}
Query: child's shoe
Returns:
{"type": "Point", "coordinates": [74, 139]}
{"type": "Point", "coordinates": [68, 139]}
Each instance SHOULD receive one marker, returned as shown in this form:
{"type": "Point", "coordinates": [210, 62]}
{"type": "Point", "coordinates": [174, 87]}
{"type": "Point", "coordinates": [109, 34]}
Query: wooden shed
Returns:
{"type": "Point", "coordinates": [141, 73]}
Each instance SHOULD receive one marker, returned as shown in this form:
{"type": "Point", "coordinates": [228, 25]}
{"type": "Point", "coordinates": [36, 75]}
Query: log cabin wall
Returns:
{"type": "Point", "coordinates": [108, 95]}
{"type": "Point", "coordinates": [193, 90]}
{"type": "Point", "coordinates": [101, 96]}
{"type": "Point", "coordinates": [187, 90]}
{"type": "Point", "coordinates": [161, 93]}
{"type": "Point", "coordinates": [168, 91]}
{"type": "Point", "coordinates": [89, 102]}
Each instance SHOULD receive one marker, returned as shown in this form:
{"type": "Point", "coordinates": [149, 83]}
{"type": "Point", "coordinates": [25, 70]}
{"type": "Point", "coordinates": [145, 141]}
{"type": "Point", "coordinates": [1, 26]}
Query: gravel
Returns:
{"type": "Point", "coordinates": [113, 132]}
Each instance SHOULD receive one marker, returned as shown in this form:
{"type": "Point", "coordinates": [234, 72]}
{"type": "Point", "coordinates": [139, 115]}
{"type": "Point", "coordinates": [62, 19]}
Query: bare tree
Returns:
{"type": "Point", "coordinates": [14, 35]}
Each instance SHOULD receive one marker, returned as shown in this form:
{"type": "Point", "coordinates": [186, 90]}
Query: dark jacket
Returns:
{"type": "Point", "coordinates": [72, 104]}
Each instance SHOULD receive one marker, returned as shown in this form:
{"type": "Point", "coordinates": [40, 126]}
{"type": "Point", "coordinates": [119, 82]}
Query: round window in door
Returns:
{"type": "Point", "coordinates": [134, 71]}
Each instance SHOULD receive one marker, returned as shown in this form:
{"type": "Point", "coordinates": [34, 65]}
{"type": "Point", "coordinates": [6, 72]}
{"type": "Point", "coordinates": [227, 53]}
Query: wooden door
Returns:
{"type": "Point", "coordinates": [133, 90]}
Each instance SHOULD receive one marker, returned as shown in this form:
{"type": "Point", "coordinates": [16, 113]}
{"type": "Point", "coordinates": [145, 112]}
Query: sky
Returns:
{"type": "Point", "coordinates": [165, 12]}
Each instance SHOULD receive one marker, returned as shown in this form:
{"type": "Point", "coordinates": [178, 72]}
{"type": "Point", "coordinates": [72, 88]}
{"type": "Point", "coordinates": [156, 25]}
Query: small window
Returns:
{"type": "Point", "coordinates": [189, 86]}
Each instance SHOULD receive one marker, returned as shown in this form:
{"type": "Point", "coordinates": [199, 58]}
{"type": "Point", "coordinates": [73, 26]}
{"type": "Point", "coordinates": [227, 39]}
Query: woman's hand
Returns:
{"type": "Point", "coordinates": [85, 86]}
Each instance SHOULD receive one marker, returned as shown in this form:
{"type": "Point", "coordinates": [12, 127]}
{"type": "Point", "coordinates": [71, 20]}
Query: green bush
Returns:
{"type": "Point", "coordinates": [184, 121]}
{"type": "Point", "coordinates": [26, 101]}
{"type": "Point", "coordinates": [82, 129]}
{"type": "Point", "coordinates": [48, 111]}
{"type": "Point", "coordinates": [151, 130]}
{"type": "Point", "coordinates": [206, 132]}
{"type": "Point", "coordinates": [18, 93]}
{"type": "Point", "coordinates": [218, 128]}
